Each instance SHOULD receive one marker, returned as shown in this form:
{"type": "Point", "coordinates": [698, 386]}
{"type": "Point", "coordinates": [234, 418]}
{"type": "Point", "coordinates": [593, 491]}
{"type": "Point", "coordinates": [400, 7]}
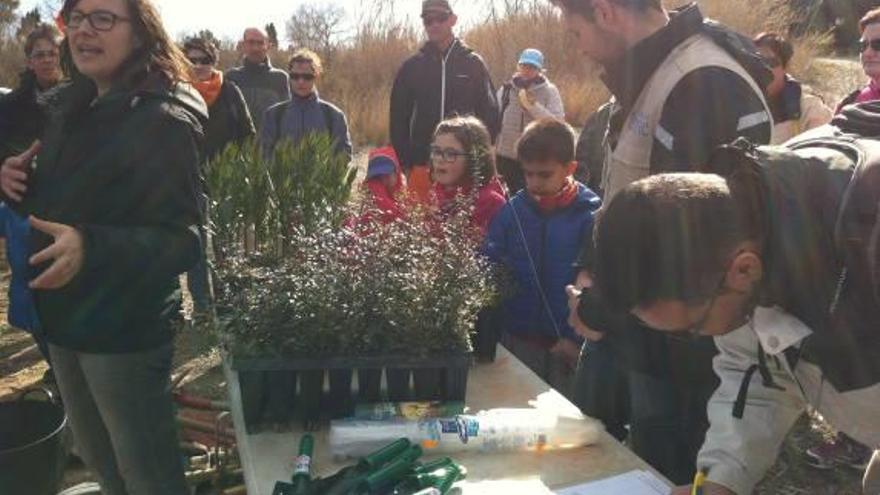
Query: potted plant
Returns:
{"type": "Point", "coordinates": [339, 299]}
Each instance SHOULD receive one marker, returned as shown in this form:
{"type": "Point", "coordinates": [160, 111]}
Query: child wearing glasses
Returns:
{"type": "Point", "coordinates": [537, 236]}
{"type": "Point", "coordinates": [463, 169]}
{"type": "Point", "coordinates": [305, 112]}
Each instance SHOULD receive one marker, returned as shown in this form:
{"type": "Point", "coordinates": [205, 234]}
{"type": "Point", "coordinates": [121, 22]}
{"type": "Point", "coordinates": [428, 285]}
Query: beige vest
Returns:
{"type": "Point", "coordinates": [631, 159]}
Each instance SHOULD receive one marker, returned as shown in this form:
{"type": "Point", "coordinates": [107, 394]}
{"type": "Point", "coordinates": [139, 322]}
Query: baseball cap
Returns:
{"type": "Point", "coordinates": [382, 162]}
{"type": "Point", "coordinates": [532, 56]}
{"type": "Point", "coordinates": [436, 6]}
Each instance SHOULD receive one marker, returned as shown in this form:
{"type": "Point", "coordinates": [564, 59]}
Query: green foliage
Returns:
{"type": "Point", "coordinates": [412, 286]}
{"type": "Point", "coordinates": [272, 33]}
{"type": "Point", "coordinates": [293, 188]}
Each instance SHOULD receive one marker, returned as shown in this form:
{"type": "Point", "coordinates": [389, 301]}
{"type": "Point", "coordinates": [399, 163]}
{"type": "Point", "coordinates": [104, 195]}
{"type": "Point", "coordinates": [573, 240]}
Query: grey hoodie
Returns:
{"type": "Point", "coordinates": [548, 103]}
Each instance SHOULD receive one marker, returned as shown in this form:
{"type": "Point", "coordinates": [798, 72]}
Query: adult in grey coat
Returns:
{"type": "Point", "coordinates": [261, 84]}
{"type": "Point", "coordinates": [305, 113]}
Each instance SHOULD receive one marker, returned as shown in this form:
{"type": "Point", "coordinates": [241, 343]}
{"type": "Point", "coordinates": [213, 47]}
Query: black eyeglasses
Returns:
{"type": "Point", "coordinates": [694, 331]}
{"type": "Point", "coordinates": [100, 20]}
{"type": "Point", "coordinates": [201, 60]}
{"type": "Point", "coordinates": [874, 44]}
{"type": "Point", "coordinates": [448, 155]}
{"type": "Point", "coordinates": [429, 19]}
{"type": "Point", "coordinates": [295, 76]}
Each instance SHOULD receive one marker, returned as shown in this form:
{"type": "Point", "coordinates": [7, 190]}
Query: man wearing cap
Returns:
{"type": "Point", "coordinates": [681, 86]}
{"type": "Point", "coordinates": [528, 96]}
{"type": "Point", "coordinates": [445, 78]}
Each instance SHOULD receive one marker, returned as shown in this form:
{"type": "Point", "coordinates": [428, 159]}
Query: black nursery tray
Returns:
{"type": "Point", "coordinates": [277, 390]}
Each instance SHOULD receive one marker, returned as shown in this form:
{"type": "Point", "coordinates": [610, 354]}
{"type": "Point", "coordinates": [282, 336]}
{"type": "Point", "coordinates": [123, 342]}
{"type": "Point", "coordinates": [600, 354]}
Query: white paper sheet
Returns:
{"type": "Point", "coordinates": [631, 483]}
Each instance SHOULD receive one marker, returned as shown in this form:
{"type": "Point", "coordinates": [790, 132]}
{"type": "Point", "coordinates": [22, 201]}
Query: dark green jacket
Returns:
{"type": "Point", "coordinates": [262, 86]}
{"type": "Point", "coordinates": [125, 171]}
{"type": "Point", "coordinates": [228, 120]}
{"type": "Point", "coordinates": [22, 118]}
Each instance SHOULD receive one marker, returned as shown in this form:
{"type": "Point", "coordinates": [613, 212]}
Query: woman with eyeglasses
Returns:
{"type": "Point", "coordinates": [305, 112]}
{"type": "Point", "coordinates": [114, 205]}
{"type": "Point", "coordinates": [795, 108]}
{"type": "Point", "coordinates": [229, 121]}
{"type": "Point", "coordinates": [869, 50]}
{"type": "Point", "coordinates": [22, 112]}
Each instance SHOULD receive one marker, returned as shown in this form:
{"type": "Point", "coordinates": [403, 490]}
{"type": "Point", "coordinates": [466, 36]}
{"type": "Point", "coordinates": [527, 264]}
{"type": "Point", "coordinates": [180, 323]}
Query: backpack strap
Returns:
{"type": "Point", "coordinates": [279, 116]}
{"type": "Point", "coordinates": [850, 99]}
{"type": "Point", "coordinates": [857, 226]}
{"type": "Point", "coordinates": [226, 93]}
{"type": "Point", "coordinates": [327, 110]}
{"type": "Point", "coordinates": [505, 97]}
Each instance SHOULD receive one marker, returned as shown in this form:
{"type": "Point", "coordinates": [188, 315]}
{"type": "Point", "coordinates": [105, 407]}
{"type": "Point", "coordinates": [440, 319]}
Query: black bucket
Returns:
{"type": "Point", "coordinates": [32, 451]}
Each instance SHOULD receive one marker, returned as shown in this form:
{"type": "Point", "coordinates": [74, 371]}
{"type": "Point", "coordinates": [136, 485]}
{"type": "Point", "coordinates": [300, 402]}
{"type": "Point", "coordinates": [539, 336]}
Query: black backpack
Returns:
{"type": "Point", "coordinates": [844, 270]}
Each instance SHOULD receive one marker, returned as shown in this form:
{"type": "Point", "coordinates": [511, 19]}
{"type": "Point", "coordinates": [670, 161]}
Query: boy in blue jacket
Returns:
{"type": "Point", "coordinates": [537, 237]}
{"type": "Point", "coordinates": [22, 312]}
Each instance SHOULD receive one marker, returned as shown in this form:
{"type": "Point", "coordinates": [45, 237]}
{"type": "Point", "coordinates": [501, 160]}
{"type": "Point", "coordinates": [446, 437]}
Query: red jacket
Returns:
{"type": "Point", "coordinates": [388, 202]}
{"type": "Point", "coordinates": [489, 201]}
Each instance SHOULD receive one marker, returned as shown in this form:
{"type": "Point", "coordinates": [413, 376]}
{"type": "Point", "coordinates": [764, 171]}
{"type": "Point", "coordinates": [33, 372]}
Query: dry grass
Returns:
{"type": "Point", "coordinates": [500, 41]}
{"type": "Point", "coordinates": [11, 62]}
{"type": "Point", "coordinates": [360, 77]}
{"type": "Point", "coordinates": [360, 71]}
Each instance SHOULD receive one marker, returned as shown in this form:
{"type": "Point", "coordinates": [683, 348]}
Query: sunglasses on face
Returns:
{"type": "Point", "coordinates": [874, 44]}
{"type": "Point", "coordinates": [100, 20]}
{"type": "Point", "coordinates": [302, 76]}
{"type": "Point", "coordinates": [447, 155]}
{"type": "Point", "coordinates": [430, 19]}
{"type": "Point", "coordinates": [201, 60]}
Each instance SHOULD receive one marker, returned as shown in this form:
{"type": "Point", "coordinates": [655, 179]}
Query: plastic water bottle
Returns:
{"type": "Point", "coordinates": [497, 430]}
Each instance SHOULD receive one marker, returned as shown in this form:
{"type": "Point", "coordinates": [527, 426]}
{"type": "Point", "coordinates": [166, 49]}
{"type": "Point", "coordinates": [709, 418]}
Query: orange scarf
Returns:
{"type": "Point", "coordinates": [210, 89]}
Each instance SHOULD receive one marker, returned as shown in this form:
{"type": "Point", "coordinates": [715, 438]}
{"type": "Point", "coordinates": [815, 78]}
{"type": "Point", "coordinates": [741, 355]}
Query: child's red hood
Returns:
{"type": "Point", "coordinates": [388, 151]}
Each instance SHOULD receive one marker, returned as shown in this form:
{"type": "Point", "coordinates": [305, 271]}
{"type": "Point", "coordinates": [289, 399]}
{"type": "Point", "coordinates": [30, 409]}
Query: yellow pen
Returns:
{"type": "Point", "coordinates": [699, 479]}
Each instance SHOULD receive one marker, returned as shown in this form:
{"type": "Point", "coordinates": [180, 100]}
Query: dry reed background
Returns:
{"type": "Point", "coordinates": [361, 67]}
{"type": "Point", "coordinates": [360, 71]}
